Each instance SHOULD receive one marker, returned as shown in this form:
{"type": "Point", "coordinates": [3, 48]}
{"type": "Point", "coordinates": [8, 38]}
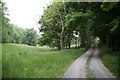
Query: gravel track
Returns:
{"type": "Point", "coordinates": [77, 68]}
{"type": "Point", "coordinates": [99, 70]}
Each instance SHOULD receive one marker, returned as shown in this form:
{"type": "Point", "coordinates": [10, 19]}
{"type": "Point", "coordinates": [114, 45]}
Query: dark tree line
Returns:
{"type": "Point", "coordinates": [66, 23]}
{"type": "Point", "coordinates": [107, 24]}
{"type": "Point", "coordinates": [61, 21]}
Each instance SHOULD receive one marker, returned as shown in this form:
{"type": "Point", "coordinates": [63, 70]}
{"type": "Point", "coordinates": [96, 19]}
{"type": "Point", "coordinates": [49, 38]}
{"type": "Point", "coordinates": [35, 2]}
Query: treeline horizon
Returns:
{"type": "Point", "coordinates": [11, 33]}
{"type": "Point", "coordinates": [62, 20]}
{"type": "Point", "coordinates": [21, 36]}
{"type": "Point", "coordinates": [66, 23]}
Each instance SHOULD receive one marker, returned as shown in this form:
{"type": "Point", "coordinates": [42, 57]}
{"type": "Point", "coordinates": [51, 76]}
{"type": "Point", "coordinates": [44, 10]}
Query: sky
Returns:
{"type": "Point", "coordinates": [26, 13]}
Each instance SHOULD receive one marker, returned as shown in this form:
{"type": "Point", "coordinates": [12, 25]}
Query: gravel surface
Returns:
{"type": "Point", "coordinates": [77, 69]}
{"type": "Point", "coordinates": [99, 70]}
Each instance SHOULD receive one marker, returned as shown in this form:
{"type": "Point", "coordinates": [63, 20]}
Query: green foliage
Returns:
{"type": "Point", "coordinates": [74, 18]}
{"type": "Point", "coordinates": [115, 26]}
{"type": "Point", "coordinates": [109, 58]}
{"type": "Point", "coordinates": [106, 25]}
{"type": "Point", "coordinates": [107, 6]}
{"type": "Point", "coordinates": [31, 37]}
{"type": "Point", "coordinates": [60, 20]}
{"type": "Point", "coordinates": [81, 22]}
{"type": "Point", "coordinates": [4, 23]}
{"type": "Point", "coordinates": [0, 22]}
{"type": "Point", "coordinates": [44, 41]}
{"type": "Point", "coordinates": [11, 33]}
{"type": "Point", "coordinates": [22, 61]}
{"type": "Point", "coordinates": [52, 23]}
{"type": "Point", "coordinates": [17, 34]}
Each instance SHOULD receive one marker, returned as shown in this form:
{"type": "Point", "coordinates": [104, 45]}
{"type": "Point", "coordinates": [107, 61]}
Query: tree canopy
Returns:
{"type": "Point", "coordinates": [61, 21]}
{"type": "Point", "coordinates": [11, 33]}
{"type": "Point", "coordinates": [66, 23]}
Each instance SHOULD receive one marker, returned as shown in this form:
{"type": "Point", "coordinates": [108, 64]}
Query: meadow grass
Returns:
{"type": "Point", "coordinates": [110, 59]}
{"type": "Point", "coordinates": [22, 61]}
{"type": "Point", "coordinates": [0, 61]}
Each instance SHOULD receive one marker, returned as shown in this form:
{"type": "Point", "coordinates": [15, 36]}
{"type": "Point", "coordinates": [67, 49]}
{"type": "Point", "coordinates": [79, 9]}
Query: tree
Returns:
{"type": "Point", "coordinates": [30, 37]}
{"type": "Point", "coordinates": [17, 34]}
{"type": "Point", "coordinates": [80, 22]}
{"type": "Point", "coordinates": [1, 21]}
{"type": "Point", "coordinates": [4, 22]}
{"type": "Point", "coordinates": [61, 21]}
{"type": "Point", "coordinates": [107, 16]}
{"type": "Point", "coordinates": [52, 23]}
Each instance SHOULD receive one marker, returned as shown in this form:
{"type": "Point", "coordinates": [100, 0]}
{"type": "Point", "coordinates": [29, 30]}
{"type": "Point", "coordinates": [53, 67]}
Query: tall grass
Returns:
{"type": "Point", "coordinates": [21, 61]}
{"type": "Point", "coordinates": [0, 61]}
{"type": "Point", "coordinates": [110, 59]}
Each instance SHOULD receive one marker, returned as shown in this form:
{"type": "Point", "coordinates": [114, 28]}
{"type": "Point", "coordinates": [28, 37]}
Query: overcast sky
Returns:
{"type": "Point", "coordinates": [25, 13]}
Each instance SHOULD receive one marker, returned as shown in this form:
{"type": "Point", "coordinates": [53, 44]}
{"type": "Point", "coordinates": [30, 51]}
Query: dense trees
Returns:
{"type": "Point", "coordinates": [4, 23]}
{"type": "Point", "coordinates": [64, 22]}
{"type": "Point", "coordinates": [17, 34]}
{"type": "Point", "coordinates": [31, 37]}
{"type": "Point", "coordinates": [52, 23]}
{"type": "Point", "coordinates": [10, 33]}
{"type": "Point", "coordinates": [61, 22]}
{"type": "Point", "coordinates": [107, 24]}
{"type": "Point", "coordinates": [0, 22]}
{"type": "Point", "coordinates": [22, 36]}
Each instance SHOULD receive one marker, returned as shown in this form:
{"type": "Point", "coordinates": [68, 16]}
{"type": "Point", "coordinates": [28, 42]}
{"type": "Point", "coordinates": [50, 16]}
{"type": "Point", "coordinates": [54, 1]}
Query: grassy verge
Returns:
{"type": "Point", "coordinates": [0, 61]}
{"type": "Point", "coordinates": [110, 59]}
{"type": "Point", "coordinates": [21, 61]}
{"type": "Point", "coordinates": [89, 72]}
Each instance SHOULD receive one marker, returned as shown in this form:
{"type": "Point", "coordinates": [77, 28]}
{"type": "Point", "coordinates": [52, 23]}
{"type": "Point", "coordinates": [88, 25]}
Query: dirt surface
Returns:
{"type": "Point", "coordinates": [77, 69]}
{"type": "Point", "coordinates": [99, 70]}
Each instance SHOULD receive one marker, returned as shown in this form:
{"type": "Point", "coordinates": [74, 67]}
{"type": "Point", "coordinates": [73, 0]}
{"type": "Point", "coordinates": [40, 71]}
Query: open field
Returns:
{"type": "Point", "coordinates": [22, 61]}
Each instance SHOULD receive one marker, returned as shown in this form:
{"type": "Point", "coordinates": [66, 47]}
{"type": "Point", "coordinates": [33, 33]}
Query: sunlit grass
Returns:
{"type": "Point", "coordinates": [21, 61]}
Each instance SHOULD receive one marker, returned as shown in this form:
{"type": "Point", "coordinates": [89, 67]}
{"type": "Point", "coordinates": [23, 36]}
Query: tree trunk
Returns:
{"type": "Point", "coordinates": [61, 41]}
{"type": "Point", "coordinates": [69, 43]}
{"type": "Point", "coordinates": [61, 35]}
{"type": "Point", "coordinates": [107, 40]}
{"type": "Point", "coordinates": [79, 39]}
{"type": "Point", "coordinates": [117, 44]}
{"type": "Point", "coordinates": [113, 45]}
{"type": "Point", "coordinates": [82, 40]}
{"type": "Point", "coordinates": [58, 45]}
{"type": "Point", "coordinates": [63, 27]}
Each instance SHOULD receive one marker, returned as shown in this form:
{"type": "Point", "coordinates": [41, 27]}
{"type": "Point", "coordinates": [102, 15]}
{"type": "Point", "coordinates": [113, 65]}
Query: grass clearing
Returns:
{"type": "Point", "coordinates": [110, 59]}
{"type": "Point", "coordinates": [21, 61]}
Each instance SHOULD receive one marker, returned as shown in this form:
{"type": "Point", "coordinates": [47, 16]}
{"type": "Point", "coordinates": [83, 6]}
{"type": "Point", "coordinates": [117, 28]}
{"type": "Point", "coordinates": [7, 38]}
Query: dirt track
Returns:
{"type": "Point", "coordinates": [77, 69]}
{"type": "Point", "coordinates": [99, 70]}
